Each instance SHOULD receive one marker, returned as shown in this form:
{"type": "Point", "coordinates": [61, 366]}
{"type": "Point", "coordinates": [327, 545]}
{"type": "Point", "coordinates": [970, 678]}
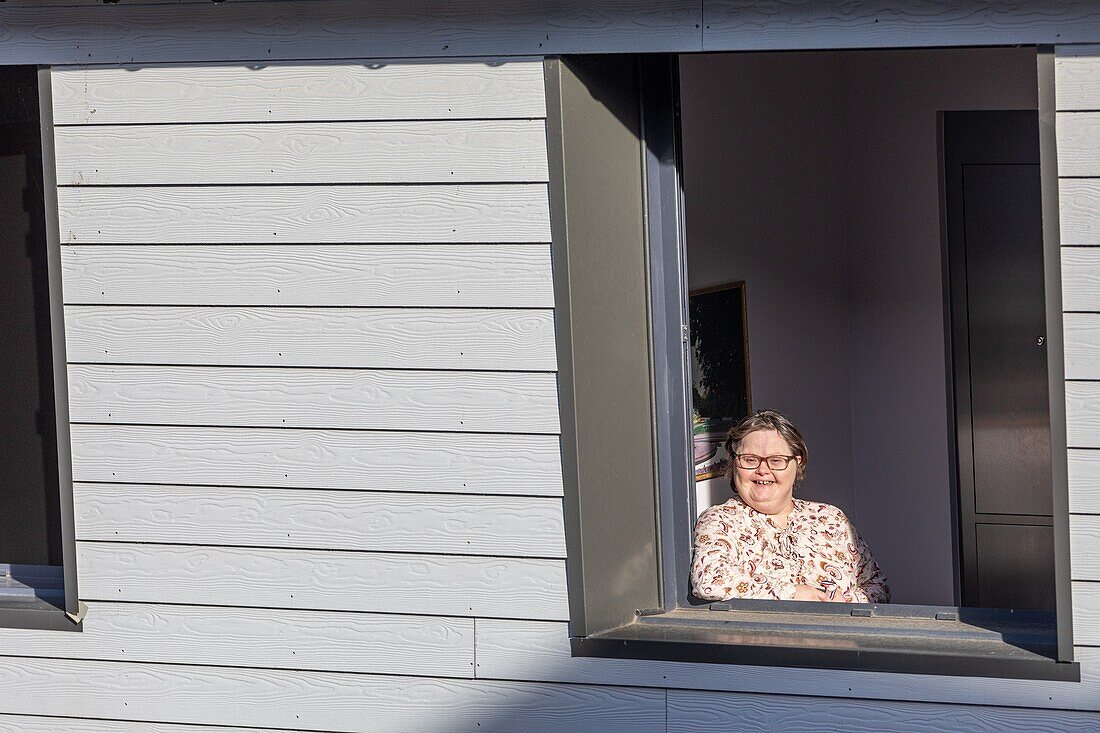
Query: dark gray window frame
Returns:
{"type": "Point", "coordinates": [616, 206]}
{"type": "Point", "coordinates": [46, 597]}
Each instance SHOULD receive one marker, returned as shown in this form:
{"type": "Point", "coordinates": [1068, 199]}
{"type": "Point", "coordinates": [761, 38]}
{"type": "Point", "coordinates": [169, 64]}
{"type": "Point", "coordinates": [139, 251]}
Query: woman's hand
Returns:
{"type": "Point", "coordinates": [803, 592]}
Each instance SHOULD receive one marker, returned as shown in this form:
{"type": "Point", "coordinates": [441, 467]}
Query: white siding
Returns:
{"type": "Point", "coordinates": [256, 32]}
{"type": "Point", "coordinates": [246, 214]}
{"type": "Point", "coordinates": [294, 152]}
{"type": "Point", "coordinates": [431, 275]}
{"type": "Point", "coordinates": [1078, 92]}
{"type": "Point", "coordinates": [380, 521]}
{"type": "Point", "coordinates": [318, 472]}
{"type": "Point", "coordinates": [374, 460]}
{"type": "Point", "coordinates": [365, 399]}
{"type": "Point", "coordinates": [335, 90]}
{"type": "Point", "coordinates": [53, 724]}
{"type": "Point", "coordinates": [310, 455]}
{"type": "Point", "coordinates": [690, 711]}
{"type": "Point", "coordinates": [805, 24]}
{"type": "Point", "coordinates": [378, 582]}
{"type": "Point", "coordinates": [1077, 71]}
{"type": "Point", "coordinates": [258, 637]}
{"type": "Point", "coordinates": [528, 650]}
{"type": "Point", "coordinates": [320, 701]}
{"type": "Point", "coordinates": [445, 338]}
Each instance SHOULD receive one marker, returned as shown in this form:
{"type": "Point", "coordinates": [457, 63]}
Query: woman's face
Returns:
{"type": "Point", "coordinates": [765, 489]}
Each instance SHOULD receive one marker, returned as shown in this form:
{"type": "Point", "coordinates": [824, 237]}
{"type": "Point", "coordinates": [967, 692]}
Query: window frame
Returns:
{"type": "Point", "coordinates": [30, 598]}
{"type": "Point", "coordinates": [660, 619]}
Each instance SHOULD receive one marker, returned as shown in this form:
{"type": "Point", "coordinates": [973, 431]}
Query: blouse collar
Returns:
{"type": "Point", "coordinates": [797, 506]}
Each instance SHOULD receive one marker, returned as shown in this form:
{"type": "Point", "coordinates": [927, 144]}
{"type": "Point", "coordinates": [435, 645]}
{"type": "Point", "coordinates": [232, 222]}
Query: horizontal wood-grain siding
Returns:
{"type": "Point", "coordinates": [813, 24]}
{"type": "Point", "coordinates": [321, 153]}
{"type": "Point", "coordinates": [1077, 77]}
{"type": "Point", "coordinates": [1079, 144]}
{"type": "Point", "coordinates": [699, 712]}
{"type": "Point", "coordinates": [346, 337]}
{"type": "Point", "coordinates": [1078, 136]}
{"type": "Point", "coordinates": [1081, 278]}
{"type": "Point", "coordinates": [1083, 414]}
{"type": "Point", "coordinates": [318, 701]}
{"type": "Point", "coordinates": [303, 91]}
{"type": "Point", "coordinates": [258, 637]}
{"type": "Point", "coordinates": [1077, 90]}
{"type": "Point", "coordinates": [1089, 658]}
{"type": "Point", "coordinates": [1082, 345]}
{"type": "Point", "coordinates": [332, 520]}
{"type": "Point", "coordinates": [473, 213]}
{"type": "Point", "coordinates": [443, 585]}
{"type": "Point", "coordinates": [51, 724]}
{"type": "Point", "coordinates": [1086, 614]}
{"type": "Point", "coordinates": [323, 459]}
{"type": "Point", "coordinates": [1084, 538]}
{"type": "Point", "coordinates": [314, 398]}
{"type": "Point", "coordinates": [121, 524]}
{"type": "Point", "coordinates": [1084, 481]}
{"type": "Point", "coordinates": [1079, 203]}
{"type": "Point", "coordinates": [539, 650]}
{"type": "Point", "coordinates": [447, 275]}
{"type": "Point", "coordinates": [255, 32]}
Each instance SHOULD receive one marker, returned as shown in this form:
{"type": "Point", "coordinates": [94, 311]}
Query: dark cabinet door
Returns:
{"type": "Point", "coordinates": [998, 333]}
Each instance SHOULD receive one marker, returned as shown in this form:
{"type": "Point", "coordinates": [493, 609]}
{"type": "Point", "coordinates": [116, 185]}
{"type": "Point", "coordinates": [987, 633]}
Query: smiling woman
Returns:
{"type": "Point", "coordinates": [764, 543]}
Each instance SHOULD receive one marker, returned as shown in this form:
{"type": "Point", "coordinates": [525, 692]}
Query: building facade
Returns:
{"type": "Point", "coordinates": [309, 323]}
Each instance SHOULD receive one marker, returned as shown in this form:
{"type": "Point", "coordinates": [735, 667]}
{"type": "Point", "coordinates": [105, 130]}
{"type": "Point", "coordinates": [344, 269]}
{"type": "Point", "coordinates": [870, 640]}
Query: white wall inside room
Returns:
{"type": "Point", "coordinates": [814, 178]}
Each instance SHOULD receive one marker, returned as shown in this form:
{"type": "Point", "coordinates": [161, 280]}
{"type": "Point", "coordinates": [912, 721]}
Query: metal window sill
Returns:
{"type": "Point", "coordinates": [33, 597]}
{"type": "Point", "coordinates": [863, 637]}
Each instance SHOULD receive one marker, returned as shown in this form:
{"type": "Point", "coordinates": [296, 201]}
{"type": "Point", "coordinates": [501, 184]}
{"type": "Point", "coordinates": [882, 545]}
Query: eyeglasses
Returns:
{"type": "Point", "coordinates": [775, 463]}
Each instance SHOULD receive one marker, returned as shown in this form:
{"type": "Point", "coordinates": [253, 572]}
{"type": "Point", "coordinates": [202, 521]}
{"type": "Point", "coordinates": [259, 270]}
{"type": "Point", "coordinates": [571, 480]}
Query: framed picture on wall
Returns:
{"type": "Point", "coordinates": [720, 389]}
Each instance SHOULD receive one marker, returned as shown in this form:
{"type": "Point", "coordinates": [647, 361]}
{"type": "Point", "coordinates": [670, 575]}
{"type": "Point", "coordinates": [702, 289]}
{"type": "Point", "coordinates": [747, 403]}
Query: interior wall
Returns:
{"type": "Point", "coordinates": [897, 360]}
{"type": "Point", "coordinates": [814, 177]}
{"type": "Point", "coordinates": [778, 229]}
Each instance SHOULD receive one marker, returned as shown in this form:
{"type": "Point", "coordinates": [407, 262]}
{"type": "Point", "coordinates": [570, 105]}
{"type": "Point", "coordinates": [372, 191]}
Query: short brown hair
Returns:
{"type": "Point", "coordinates": [767, 420]}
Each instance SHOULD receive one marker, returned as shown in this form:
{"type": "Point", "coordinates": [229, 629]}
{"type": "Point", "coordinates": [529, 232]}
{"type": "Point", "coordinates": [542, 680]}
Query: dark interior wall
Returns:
{"type": "Point", "coordinates": [814, 177]}
{"type": "Point", "coordinates": [29, 526]}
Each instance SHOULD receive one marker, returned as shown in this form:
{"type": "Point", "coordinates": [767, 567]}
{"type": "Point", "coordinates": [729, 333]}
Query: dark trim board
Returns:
{"type": "Point", "coordinates": [664, 205]}
{"type": "Point", "coordinates": [1056, 369]}
{"type": "Point", "coordinates": [599, 254]}
{"type": "Point", "coordinates": [72, 606]}
{"type": "Point", "coordinates": [801, 656]}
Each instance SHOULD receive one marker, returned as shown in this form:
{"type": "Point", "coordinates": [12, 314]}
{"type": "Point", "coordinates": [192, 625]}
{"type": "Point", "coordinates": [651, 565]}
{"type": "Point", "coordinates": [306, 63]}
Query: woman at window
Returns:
{"type": "Point", "coordinates": [764, 543]}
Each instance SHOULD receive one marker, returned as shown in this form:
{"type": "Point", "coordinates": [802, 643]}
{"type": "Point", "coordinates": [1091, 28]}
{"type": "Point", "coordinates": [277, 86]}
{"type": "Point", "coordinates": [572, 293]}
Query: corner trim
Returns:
{"type": "Point", "coordinates": [1056, 370]}
{"type": "Point", "coordinates": [57, 336]}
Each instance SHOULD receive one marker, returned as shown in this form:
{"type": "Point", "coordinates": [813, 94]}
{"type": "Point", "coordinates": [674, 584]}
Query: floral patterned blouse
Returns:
{"type": "Point", "coordinates": [742, 553]}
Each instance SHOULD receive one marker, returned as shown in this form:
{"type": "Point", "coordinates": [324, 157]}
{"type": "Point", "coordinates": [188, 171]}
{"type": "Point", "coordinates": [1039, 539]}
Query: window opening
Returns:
{"type": "Point", "coordinates": [30, 528]}
{"type": "Point", "coordinates": [841, 268]}
{"type": "Point", "coordinates": [814, 178]}
{"type": "Point", "coordinates": [37, 551]}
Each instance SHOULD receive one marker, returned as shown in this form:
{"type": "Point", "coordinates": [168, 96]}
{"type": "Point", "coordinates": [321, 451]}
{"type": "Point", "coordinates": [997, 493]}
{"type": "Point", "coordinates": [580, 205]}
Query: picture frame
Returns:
{"type": "Point", "coordinates": [721, 389]}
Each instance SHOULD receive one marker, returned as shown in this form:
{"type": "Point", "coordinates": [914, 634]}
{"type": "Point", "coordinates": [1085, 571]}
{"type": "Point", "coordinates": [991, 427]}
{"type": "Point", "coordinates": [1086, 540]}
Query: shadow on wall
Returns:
{"type": "Point", "coordinates": [780, 699]}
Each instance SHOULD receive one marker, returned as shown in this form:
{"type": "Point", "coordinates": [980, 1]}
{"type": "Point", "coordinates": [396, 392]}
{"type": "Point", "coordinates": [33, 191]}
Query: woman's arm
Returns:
{"type": "Point", "coordinates": [870, 582]}
{"type": "Point", "coordinates": [721, 569]}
